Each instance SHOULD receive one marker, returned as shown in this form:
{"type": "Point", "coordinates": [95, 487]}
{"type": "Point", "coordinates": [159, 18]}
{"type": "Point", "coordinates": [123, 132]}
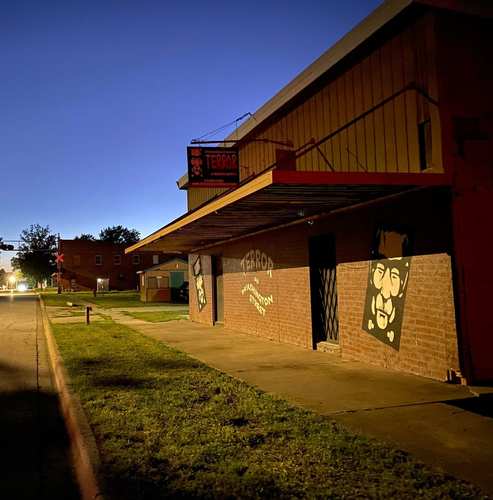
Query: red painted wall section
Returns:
{"type": "Point", "coordinates": [465, 55]}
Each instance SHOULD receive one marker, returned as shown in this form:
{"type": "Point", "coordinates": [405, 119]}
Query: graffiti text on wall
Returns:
{"type": "Point", "coordinates": [256, 298]}
{"type": "Point", "coordinates": [386, 287]}
{"type": "Point", "coordinates": [254, 264]}
{"type": "Point", "coordinates": [255, 261]}
{"type": "Point", "coordinates": [199, 284]}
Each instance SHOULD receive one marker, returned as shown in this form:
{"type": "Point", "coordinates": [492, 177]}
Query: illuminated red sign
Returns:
{"type": "Point", "coordinates": [212, 166]}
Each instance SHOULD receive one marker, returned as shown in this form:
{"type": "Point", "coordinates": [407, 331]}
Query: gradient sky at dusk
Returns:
{"type": "Point", "coordinates": [99, 98]}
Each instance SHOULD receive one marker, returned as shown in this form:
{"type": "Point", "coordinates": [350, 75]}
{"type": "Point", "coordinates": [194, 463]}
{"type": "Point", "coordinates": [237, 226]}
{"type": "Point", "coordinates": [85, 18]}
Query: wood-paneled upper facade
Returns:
{"type": "Point", "coordinates": [364, 115]}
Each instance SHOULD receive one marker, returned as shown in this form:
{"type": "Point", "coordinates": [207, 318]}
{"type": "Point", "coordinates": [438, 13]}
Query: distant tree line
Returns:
{"type": "Point", "coordinates": [114, 234]}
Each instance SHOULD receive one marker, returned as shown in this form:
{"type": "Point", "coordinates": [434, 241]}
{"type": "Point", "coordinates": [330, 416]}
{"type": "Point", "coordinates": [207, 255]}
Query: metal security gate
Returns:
{"type": "Point", "coordinates": [325, 322]}
{"type": "Point", "coordinates": [217, 269]}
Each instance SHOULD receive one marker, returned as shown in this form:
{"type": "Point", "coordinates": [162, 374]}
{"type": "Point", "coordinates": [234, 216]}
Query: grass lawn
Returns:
{"type": "Point", "coordinates": [106, 300]}
{"type": "Point", "coordinates": [61, 299]}
{"type": "Point", "coordinates": [170, 427]}
{"type": "Point", "coordinates": [159, 316]}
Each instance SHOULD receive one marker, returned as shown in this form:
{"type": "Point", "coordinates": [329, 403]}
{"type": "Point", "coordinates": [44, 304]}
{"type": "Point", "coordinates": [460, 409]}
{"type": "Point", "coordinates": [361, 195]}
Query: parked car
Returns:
{"type": "Point", "coordinates": [182, 294]}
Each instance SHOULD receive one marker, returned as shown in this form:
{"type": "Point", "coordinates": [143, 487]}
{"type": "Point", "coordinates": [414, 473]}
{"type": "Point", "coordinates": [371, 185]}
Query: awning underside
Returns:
{"type": "Point", "coordinates": [269, 206]}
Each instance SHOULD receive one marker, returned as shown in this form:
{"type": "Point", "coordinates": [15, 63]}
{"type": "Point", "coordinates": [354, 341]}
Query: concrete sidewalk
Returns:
{"type": "Point", "coordinates": [446, 426]}
{"type": "Point", "coordinates": [35, 449]}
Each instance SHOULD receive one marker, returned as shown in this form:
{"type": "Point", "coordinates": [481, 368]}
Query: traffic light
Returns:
{"type": "Point", "coordinates": [6, 247]}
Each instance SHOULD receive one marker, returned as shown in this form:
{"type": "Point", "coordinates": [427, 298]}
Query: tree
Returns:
{"type": "Point", "coordinates": [120, 235]}
{"type": "Point", "coordinates": [85, 237]}
{"type": "Point", "coordinates": [36, 255]}
{"type": "Point", "coordinates": [3, 278]}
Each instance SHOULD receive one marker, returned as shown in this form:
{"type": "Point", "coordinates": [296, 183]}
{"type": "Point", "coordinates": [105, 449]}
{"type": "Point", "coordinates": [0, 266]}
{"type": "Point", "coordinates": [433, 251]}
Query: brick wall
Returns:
{"type": "Point", "coordinates": [79, 266]}
{"type": "Point", "coordinates": [273, 303]}
{"type": "Point", "coordinates": [428, 344]}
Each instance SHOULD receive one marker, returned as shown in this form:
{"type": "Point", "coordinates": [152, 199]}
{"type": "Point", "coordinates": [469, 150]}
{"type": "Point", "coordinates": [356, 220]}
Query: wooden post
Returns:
{"type": "Point", "coordinates": [88, 314]}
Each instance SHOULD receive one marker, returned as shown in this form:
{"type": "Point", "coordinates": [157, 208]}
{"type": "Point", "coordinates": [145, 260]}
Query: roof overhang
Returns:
{"type": "Point", "coordinates": [274, 198]}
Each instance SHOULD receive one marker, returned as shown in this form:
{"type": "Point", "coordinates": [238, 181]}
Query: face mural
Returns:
{"type": "Point", "coordinates": [387, 284]}
{"type": "Point", "coordinates": [199, 284]}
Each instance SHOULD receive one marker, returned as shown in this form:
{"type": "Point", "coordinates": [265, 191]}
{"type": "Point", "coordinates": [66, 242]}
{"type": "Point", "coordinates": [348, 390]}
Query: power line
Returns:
{"type": "Point", "coordinates": [217, 130]}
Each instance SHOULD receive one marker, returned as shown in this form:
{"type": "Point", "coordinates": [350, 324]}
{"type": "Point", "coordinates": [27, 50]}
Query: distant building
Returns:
{"type": "Point", "coordinates": [96, 264]}
{"type": "Point", "coordinates": [163, 282]}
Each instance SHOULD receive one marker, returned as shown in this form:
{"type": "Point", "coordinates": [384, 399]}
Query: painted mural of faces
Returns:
{"type": "Point", "coordinates": [386, 289]}
{"type": "Point", "coordinates": [389, 279]}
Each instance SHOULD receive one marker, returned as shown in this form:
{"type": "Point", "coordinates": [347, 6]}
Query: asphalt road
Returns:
{"type": "Point", "coordinates": [35, 461]}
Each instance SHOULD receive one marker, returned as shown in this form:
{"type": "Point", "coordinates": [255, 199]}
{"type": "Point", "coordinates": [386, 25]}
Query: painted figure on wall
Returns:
{"type": "Point", "coordinates": [387, 284]}
{"type": "Point", "coordinates": [199, 284]}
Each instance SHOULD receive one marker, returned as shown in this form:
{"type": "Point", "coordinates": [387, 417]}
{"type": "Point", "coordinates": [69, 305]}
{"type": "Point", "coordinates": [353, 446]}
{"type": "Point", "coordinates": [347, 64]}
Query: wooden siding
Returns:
{"type": "Point", "coordinates": [198, 195]}
{"type": "Point", "coordinates": [384, 140]}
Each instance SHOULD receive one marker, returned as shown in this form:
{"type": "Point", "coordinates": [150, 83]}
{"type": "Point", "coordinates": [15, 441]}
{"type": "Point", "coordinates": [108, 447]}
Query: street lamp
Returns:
{"type": "Point", "coordinates": [12, 280]}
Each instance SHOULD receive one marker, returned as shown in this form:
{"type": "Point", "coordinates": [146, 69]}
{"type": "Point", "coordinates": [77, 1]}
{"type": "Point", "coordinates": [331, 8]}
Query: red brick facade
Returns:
{"type": "Point", "coordinates": [80, 269]}
{"type": "Point", "coordinates": [276, 304]}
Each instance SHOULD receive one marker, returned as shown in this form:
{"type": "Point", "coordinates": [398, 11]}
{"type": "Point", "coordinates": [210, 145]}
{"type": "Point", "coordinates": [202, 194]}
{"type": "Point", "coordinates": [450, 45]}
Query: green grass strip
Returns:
{"type": "Point", "coordinates": [61, 299]}
{"type": "Point", "coordinates": [106, 300]}
{"type": "Point", "coordinates": [168, 426]}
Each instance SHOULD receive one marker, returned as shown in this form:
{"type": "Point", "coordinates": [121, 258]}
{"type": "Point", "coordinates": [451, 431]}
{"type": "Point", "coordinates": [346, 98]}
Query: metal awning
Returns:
{"type": "Point", "coordinates": [274, 198]}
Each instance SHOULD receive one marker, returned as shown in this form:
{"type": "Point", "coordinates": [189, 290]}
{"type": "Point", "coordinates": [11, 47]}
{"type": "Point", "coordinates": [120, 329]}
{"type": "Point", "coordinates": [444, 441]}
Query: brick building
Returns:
{"type": "Point", "coordinates": [162, 282]}
{"type": "Point", "coordinates": [360, 221]}
{"type": "Point", "coordinates": [96, 264]}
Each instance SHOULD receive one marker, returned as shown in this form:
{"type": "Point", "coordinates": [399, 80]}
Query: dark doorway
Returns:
{"type": "Point", "coordinates": [217, 270]}
{"type": "Point", "coordinates": [325, 322]}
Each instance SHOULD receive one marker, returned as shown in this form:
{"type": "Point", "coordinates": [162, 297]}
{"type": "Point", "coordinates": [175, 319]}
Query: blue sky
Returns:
{"type": "Point", "coordinates": [99, 98]}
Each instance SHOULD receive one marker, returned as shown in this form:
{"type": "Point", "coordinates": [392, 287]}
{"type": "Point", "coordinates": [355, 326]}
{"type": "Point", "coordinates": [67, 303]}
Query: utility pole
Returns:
{"type": "Point", "coordinates": [58, 266]}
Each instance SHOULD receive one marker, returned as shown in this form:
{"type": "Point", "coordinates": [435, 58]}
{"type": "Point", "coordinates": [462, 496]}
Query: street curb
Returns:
{"type": "Point", "coordinates": [83, 448]}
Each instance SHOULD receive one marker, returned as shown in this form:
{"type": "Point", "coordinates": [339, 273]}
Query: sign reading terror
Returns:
{"type": "Point", "coordinates": [386, 287]}
{"type": "Point", "coordinates": [212, 166]}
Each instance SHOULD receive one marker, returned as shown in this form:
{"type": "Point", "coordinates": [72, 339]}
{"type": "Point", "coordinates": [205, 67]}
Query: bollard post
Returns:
{"type": "Point", "coordinates": [88, 314]}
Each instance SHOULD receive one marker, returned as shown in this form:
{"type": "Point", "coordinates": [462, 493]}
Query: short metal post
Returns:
{"type": "Point", "coordinates": [88, 314]}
